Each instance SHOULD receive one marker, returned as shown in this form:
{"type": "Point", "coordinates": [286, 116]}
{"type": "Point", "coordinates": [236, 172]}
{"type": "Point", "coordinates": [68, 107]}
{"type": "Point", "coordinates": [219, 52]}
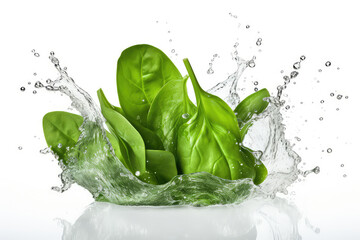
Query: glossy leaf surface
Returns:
{"type": "Point", "coordinates": [61, 131]}
{"type": "Point", "coordinates": [127, 135]}
{"type": "Point", "coordinates": [209, 141]}
{"type": "Point", "coordinates": [252, 104]}
{"type": "Point", "coordinates": [142, 70]}
{"type": "Point", "coordinates": [161, 164]}
{"type": "Point", "coordinates": [169, 110]}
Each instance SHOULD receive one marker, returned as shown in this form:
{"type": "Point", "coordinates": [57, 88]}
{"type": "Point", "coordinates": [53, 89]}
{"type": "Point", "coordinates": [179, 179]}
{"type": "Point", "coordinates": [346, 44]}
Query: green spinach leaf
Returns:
{"type": "Point", "coordinates": [252, 104]}
{"type": "Point", "coordinates": [133, 147]}
{"type": "Point", "coordinates": [209, 141]}
{"type": "Point", "coordinates": [151, 139]}
{"type": "Point", "coordinates": [169, 110]}
{"type": "Point", "coordinates": [63, 127]}
{"type": "Point", "coordinates": [161, 164]}
{"type": "Point", "coordinates": [142, 70]}
{"type": "Point", "coordinates": [61, 131]}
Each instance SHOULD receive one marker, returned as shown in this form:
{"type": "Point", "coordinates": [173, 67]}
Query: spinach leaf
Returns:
{"type": "Point", "coordinates": [151, 140]}
{"type": "Point", "coordinates": [252, 104]}
{"type": "Point", "coordinates": [161, 164]}
{"type": "Point", "coordinates": [260, 169]}
{"type": "Point", "coordinates": [61, 131]}
{"type": "Point", "coordinates": [142, 70]}
{"type": "Point", "coordinates": [209, 141]}
{"type": "Point", "coordinates": [132, 145]}
{"type": "Point", "coordinates": [169, 110]}
{"type": "Point", "coordinates": [63, 127]}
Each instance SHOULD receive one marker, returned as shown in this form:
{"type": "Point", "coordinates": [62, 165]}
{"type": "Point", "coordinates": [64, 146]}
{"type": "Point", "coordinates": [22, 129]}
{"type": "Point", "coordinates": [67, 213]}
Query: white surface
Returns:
{"type": "Point", "coordinates": [88, 37]}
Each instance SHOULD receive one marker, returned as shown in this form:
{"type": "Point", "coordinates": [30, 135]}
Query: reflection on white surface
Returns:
{"type": "Point", "coordinates": [254, 219]}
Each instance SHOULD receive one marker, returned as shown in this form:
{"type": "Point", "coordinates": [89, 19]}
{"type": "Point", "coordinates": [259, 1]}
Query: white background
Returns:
{"type": "Point", "coordinates": [88, 37]}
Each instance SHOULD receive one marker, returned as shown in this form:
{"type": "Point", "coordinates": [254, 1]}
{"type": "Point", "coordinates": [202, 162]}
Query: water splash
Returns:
{"type": "Point", "coordinates": [227, 90]}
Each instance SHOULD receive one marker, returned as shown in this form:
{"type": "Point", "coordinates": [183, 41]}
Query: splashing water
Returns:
{"type": "Point", "coordinates": [106, 178]}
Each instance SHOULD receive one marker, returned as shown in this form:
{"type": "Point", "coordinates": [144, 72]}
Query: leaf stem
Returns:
{"type": "Point", "coordinates": [195, 83]}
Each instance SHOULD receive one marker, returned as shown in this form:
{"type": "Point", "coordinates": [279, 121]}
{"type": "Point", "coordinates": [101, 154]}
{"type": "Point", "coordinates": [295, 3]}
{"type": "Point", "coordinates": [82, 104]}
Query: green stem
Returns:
{"type": "Point", "coordinates": [197, 88]}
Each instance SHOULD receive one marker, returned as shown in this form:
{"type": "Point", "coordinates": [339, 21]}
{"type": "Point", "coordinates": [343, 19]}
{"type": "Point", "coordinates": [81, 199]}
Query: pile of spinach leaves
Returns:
{"type": "Point", "coordinates": [158, 133]}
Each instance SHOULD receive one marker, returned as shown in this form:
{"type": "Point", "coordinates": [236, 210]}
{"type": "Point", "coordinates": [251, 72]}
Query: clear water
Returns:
{"type": "Point", "coordinates": [104, 176]}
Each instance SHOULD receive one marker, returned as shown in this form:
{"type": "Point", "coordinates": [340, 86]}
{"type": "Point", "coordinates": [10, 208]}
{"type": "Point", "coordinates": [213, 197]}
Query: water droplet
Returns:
{"type": "Point", "coordinates": [210, 71]}
{"type": "Point", "coordinates": [170, 40]}
{"type": "Point", "coordinates": [143, 100]}
{"type": "Point", "coordinates": [294, 74]}
{"type": "Point", "coordinates": [251, 63]}
{"type": "Point", "coordinates": [29, 83]}
{"type": "Point", "coordinates": [56, 189]}
{"type": "Point", "coordinates": [320, 70]}
{"type": "Point", "coordinates": [54, 60]}
{"type": "Point", "coordinates": [22, 89]}
{"type": "Point", "coordinates": [346, 97]}
{"type": "Point", "coordinates": [316, 170]}
{"type": "Point", "coordinates": [332, 94]}
{"type": "Point", "coordinates": [302, 58]}
{"type": "Point", "coordinates": [287, 107]}
{"type": "Point", "coordinates": [296, 65]}
{"type": "Point", "coordinates": [172, 50]}
{"type": "Point", "coordinates": [298, 139]}
{"type": "Point", "coordinates": [339, 96]}
{"type": "Point", "coordinates": [236, 44]}
{"type": "Point", "coordinates": [52, 53]}
{"type": "Point", "coordinates": [256, 89]}
{"type": "Point", "coordinates": [45, 150]}
{"type": "Point", "coordinates": [282, 71]}
{"type": "Point", "coordinates": [20, 147]}
{"type": "Point", "coordinates": [342, 165]}
{"type": "Point", "coordinates": [322, 101]}
{"type": "Point", "coordinates": [337, 109]}
{"type": "Point", "coordinates": [321, 118]}
{"type": "Point", "coordinates": [344, 175]}
{"type": "Point", "coordinates": [338, 68]}
{"type": "Point", "coordinates": [34, 92]}
{"type": "Point", "coordinates": [185, 115]}
{"type": "Point", "coordinates": [328, 64]}
{"type": "Point", "coordinates": [38, 84]}
{"type": "Point", "coordinates": [48, 81]}
{"type": "Point", "coordinates": [137, 173]}
{"type": "Point", "coordinates": [247, 26]}
{"type": "Point", "coordinates": [36, 54]}
{"type": "Point", "coordinates": [34, 74]}
{"type": "Point", "coordinates": [258, 42]}
{"type": "Point", "coordinates": [59, 145]}
{"type": "Point", "coordinates": [256, 83]}
{"type": "Point", "coordinates": [329, 150]}
{"type": "Point", "coordinates": [33, 51]}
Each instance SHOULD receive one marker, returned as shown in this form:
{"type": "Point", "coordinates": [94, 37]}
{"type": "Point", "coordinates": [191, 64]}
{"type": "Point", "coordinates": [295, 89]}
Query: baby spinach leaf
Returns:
{"type": "Point", "coordinates": [161, 164]}
{"type": "Point", "coordinates": [61, 131]}
{"type": "Point", "coordinates": [169, 110]}
{"type": "Point", "coordinates": [260, 169]}
{"type": "Point", "coordinates": [252, 104]}
{"type": "Point", "coordinates": [209, 141]}
{"type": "Point", "coordinates": [151, 140]}
{"type": "Point", "coordinates": [142, 70]}
{"type": "Point", "coordinates": [133, 147]}
{"type": "Point", "coordinates": [63, 127]}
